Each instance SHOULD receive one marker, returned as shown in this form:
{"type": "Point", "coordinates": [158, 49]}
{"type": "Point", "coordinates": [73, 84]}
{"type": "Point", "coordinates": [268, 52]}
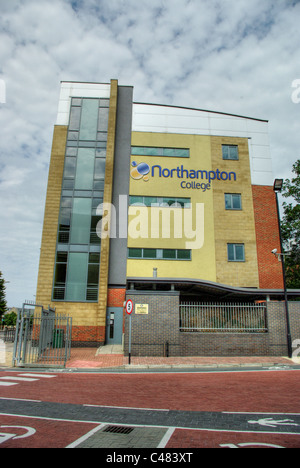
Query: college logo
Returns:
{"type": "Point", "coordinates": [140, 171]}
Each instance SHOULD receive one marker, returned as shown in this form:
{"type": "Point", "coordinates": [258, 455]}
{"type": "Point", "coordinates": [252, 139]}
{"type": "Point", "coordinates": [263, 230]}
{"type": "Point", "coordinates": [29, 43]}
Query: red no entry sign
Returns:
{"type": "Point", "coordinates": [129, 306]}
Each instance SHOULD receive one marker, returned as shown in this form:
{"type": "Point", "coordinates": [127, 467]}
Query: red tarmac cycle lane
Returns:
{"type": "Point", "coordinates": [256, 392]}
{"type": "Point", "coordinates": [272, 391]}
{"type": "Point", "coordinates": [21, 432]}
{"type": "Point", "coordinates": [24, 432]}
{"type": "Point", "coordinates": [183, 438]}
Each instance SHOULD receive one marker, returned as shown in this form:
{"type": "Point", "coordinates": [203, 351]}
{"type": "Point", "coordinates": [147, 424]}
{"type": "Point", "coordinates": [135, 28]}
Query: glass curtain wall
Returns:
{"type": "Point", "coordinates": [76, 274]}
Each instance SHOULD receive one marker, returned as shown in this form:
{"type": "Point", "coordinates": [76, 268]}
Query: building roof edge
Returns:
{"type": "Point", "coordinates": [200, 110]}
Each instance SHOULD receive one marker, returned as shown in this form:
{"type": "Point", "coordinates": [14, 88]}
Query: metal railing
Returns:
{"type": "Point", "coordinates": [223, 318]}
{"type": "Point", "coordinates": [9, 334]}
{"type": "Point", "coordinates": [42, 338]}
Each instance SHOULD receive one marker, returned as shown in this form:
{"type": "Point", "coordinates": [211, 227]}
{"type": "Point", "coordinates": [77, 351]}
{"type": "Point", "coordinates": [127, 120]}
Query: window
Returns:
{"type": "Point", "coordinates": [169, 254]}
{"type": "Point", "coordinates": [160, 254]}
{"type": "Point", "coordinates": [77, 264]}
{"type": "Point", "coordinates": [89, 119]}
{"type": "Point", "coordinates": [167, 152]}
{"type": "Point", "coordinates": [161, 201]}
{"type": "Point", "coordinates": [60, 275]}
{"type": "Point", "coordinates": [183, 254]}
{"type": "Point", "coordinates": [99, 168]}
{"type": "Point", "coordinates": [103, 119]}
{"type": "Point", "coordinates": [149, 253]}
{"type": "Point", "coordinates": [70, 167]}
{"type": "Point", "coordinates": [64, 220]}
{"type": "Point", "coordinates": [233, 201]}
{"type": "Point", "coordinates": [85, 169]}
{"type": "Point", "coordinates": [236, 252]}
{"type": "Point", "coordinates": [135, 253]}
{"type": "Point", "coordinates": [77, 277]}
{"type": "Point", "coordinates": [93, 277]}
{"type": "Point", "coordinates": [75, 118]}
{"type": "Point", "coordinates": [94, 238]}
{"type": "Point", "coordinates": [230, 152]}
{"type": "Point", "coordinates": [81, 221]}
{"type": "Point", "coordinates": [76, 102]}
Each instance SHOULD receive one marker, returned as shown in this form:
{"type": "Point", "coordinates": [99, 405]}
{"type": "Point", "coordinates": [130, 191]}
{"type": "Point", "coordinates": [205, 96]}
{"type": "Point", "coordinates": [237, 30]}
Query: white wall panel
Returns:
{"type": "Point", "coordinates": [167, 119]}
{"type": "Point", "coordinates": [70, 89]}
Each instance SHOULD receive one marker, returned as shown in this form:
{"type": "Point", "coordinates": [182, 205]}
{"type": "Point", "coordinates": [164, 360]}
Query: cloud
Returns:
{"type": "Point", "coordinates": [231, 56]}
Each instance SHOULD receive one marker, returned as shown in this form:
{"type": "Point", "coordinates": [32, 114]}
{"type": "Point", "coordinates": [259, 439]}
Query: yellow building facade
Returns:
{"type": "Point", "coordinates": [188, 212]}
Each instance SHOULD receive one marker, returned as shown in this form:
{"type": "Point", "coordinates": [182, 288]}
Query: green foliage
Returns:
{"type": "Point", "coordinates": [3, 305]}
{"type": "Point", "coordinates": [10, 320]}
{"type": "Point", "coordinates": [291, 227]}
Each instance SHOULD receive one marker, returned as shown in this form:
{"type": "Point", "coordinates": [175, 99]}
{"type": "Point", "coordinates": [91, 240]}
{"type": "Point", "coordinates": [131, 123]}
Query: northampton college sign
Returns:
{"type": "Point", "coordinates": [190, 176]}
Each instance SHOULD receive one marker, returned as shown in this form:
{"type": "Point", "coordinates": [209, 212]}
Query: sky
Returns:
{"type": "Point", "coordinates": [235, 56]}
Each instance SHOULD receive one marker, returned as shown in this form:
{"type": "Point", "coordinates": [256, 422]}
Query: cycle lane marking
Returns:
{"type": "Point", "coordinates": [201, 437]}
{"type": "Point", "coordinates": [10, 380]}
{"type": "Point", "coordinates": [42, 432]}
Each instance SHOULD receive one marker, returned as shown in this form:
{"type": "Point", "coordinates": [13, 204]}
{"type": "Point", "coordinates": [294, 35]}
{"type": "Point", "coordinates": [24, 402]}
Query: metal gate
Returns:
{"type": "Point", "coordinates": [43, 338]}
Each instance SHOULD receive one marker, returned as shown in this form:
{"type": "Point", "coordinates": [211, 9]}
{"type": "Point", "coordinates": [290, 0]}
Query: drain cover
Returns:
{"type": "Point", "coordinates": [118, 429]}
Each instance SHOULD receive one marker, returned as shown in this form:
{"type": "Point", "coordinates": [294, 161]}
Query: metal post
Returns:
{"type": "Point", "coordinates": [17, 336]}
{"type": "Point", "coordinates": [129, 347]}
{"type": "Point", "coordinates": [289, 339]}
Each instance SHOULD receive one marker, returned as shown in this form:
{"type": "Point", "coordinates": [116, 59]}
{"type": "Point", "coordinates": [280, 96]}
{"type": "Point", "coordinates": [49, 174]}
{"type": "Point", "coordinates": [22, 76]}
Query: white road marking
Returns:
{"type": "Point", "coordinates": [42, 376]}
{"type": "Point", "coordinates": [20, 379]}
{"type": "Point", "coordinates": [7, 384]}
{"type": "Point", "coordinates": [85, 437]}
{"type": "Point", "coordinates": [166, 437]}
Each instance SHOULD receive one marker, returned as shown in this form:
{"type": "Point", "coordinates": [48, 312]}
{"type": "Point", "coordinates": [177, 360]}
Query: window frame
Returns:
{"type": "Point", "coordinates": [159, 254]}
{"type": "Point", "coordinates": [231, 195]}
{"type": "Point", "coordinates": [160, 202]}
{"type": "Point", "coordinates": [234, 246]}
{"type": "Point", "coordinates": [161, 152]}
{"type": "Point", "coordinates": [229, 156]}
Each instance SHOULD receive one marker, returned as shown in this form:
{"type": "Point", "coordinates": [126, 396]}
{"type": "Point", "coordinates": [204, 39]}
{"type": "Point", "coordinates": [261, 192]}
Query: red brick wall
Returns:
{"type": "Point", "coordinates": [267, 237]}
{"type": "Point", "coordinates": [116, 297]}
{"type": "Point", "coordinates": [88, 335]}
{"type": "Point", "coordinates": [95, 336]}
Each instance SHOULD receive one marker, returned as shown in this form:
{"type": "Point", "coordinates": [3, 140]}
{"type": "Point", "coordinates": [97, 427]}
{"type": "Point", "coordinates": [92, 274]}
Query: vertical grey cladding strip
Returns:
{"type": "Point", "coordinates": [118, 245]}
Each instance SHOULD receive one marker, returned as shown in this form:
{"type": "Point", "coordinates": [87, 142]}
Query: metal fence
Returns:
{"type": "Point", "coordinates": [9, 334]}
{"type": "Point", "coordinates": [223, 318]}
{"type": "Point", "coordinates": [43, 338]}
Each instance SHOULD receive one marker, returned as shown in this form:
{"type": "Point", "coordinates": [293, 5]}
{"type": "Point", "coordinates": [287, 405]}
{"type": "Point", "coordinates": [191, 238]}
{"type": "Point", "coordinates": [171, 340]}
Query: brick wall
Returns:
{"type": "Point", "coordinates": [116, 297]}
{"type": "Point", "coordinates": [151, 332]}
{"type": "Point", "coordinates": [277, 326]}
{"type": "Point", "coordinates": [48, 244]}
{"type": "Point", "coordinates": [272, 343]}
{"type": "Point", "coordinates": [234, 226]}
{"type": "Point", "coordinates": [267, 237]}
{"type": "Point", "coordinates": [224, 344]}
{"type": "Point", "coordinates": [84, 336]}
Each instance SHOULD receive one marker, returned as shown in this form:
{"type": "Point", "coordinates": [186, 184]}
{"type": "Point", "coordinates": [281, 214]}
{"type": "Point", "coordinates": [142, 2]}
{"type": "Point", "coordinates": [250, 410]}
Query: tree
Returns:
{"type": "Point", "coordinates": [291, 227]}
{"type": "Point", "coordinates": [10, 320]}
{"type": "Point", "coordinates": [3, 305]}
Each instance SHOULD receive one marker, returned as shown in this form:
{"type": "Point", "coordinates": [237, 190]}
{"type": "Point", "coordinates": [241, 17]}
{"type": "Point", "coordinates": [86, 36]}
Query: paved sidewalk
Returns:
{"type": "Point", "coordinates": [113, 357]}
{"type": "Point", "coordinates": [108, 357]}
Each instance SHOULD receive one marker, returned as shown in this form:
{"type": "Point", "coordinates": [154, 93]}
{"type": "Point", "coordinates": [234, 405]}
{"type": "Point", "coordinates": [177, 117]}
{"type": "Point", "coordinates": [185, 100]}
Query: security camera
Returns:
{"type": "Point", "coordinates": [274, 251]}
